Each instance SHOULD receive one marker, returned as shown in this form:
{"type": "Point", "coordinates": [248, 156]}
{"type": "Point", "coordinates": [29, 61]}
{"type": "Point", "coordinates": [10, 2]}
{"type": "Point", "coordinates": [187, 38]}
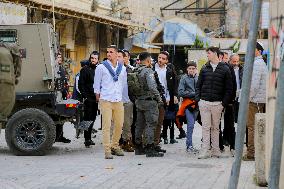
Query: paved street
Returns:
{"type": "Point", "coordinates": [72, 166]}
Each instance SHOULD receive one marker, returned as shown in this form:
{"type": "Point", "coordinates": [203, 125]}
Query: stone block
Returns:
{"type": "Point", "coordinates": [259, 142]}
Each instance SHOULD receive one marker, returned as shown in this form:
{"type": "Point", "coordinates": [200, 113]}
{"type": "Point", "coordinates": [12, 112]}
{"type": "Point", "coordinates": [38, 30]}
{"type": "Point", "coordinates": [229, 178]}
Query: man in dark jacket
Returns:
{"type": "Point", "coordinates": [85, 85]}
{"type": "Point", "coordinates": [168, 79]}
{"type": "Point", "coordinates": [213, 93]}
{"type": "Point", "coordinates": [228, 138]}
{"type": "Point", "coordinates": [238, 70]}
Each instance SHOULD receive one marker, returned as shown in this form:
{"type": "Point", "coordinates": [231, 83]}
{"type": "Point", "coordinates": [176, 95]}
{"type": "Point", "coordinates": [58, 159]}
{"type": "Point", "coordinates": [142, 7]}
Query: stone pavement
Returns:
{"type": "Point", "coordinates": [72, 166]}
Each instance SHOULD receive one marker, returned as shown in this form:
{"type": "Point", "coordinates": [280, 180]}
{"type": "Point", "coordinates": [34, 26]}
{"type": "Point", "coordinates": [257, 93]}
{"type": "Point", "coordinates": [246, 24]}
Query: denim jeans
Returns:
{"type": "Point", "coordinates": [190, 118]}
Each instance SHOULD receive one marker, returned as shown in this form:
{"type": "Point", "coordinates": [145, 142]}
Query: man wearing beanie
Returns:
{"type": "Point", "coordinates": [186, 90]}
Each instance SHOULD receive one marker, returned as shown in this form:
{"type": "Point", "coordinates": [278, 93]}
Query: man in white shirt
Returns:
{"type": "Point", "coordinates": [168, 79]}
{"type": "Point", "coordinates": [110, 78]}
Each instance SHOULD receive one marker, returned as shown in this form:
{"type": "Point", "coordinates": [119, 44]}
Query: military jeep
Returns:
{"type": "Point", "coordinates": [39, 107]}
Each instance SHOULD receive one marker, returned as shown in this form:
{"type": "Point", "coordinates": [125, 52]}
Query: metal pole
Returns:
{"type": "Point", "coordinates": [242, 118]}
{"type": "Point", "coordinates": [53, 16]}
{"type": "Point", "coordinates": [276, 153]}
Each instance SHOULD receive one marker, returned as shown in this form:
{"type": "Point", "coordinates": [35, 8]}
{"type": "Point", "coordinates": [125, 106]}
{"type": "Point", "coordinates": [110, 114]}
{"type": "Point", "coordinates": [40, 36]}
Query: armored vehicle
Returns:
{"type": "Point", "coordinates": [39, 107]}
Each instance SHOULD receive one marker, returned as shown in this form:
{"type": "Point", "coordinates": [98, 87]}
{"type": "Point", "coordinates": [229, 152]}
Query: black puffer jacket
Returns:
{"type": "Point", "coordinates": [234, 84]}
{"type": "Point", "coordinates": [214, 86]}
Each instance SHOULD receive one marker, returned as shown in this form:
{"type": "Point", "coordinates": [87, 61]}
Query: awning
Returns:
{"type": "Point", "coordinates": [182, 32]}
{"type": "Point", "coordinates": [138, 48]}
{"type": "Point", "coordinates": [76, 12]}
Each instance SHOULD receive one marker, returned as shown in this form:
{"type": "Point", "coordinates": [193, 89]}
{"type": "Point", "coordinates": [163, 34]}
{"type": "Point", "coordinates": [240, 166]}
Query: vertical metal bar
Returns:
{"type": "Point", "coordinates": [276, 153]}
{"type": "Point", "coordinates": [53, 16]}
{"type": "Point", "coordinates": [242, 119]}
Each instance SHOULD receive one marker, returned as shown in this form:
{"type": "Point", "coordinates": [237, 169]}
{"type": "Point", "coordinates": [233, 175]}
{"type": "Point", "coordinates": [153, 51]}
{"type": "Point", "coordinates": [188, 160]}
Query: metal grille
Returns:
{"type": "Point", "coordinates": [9, 36]}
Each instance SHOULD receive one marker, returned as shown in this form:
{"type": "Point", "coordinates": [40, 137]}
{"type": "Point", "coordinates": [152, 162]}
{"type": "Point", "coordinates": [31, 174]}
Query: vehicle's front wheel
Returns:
{"type": "Point", "coordinates": [30, 132]}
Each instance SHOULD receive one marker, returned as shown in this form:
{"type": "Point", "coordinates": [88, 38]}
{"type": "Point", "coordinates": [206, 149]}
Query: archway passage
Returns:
{"type": "Point", "coordinates": [80, 47]}
{"type": "Point", "coordinates": [176, 35]}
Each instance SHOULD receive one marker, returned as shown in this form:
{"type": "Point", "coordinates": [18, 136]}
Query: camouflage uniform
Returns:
{"type": "Point", "coordinates": [147, 106]}
{"type": "Point", "coordinates": [10, 70]}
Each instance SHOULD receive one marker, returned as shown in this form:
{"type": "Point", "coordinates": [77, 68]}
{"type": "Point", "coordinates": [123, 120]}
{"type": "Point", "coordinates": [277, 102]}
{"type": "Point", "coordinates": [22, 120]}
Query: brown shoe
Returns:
{"type": "Point", "coordinates": [127, 147]}
{"type": "Point", "coordinates": [117, 152]}
{"type": "Point", "coordinates": [131, 143]}
{"type": "Point", "coordinates": [248, 158]}
{"type": "Point", "coordinates": [108, 155]}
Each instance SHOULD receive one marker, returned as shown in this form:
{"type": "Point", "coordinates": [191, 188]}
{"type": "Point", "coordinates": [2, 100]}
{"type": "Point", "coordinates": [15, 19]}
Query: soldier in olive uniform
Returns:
{"type": "Point", "coordinates": [147, 108]}
{"type": "Point", "coordinates": [10, 71]}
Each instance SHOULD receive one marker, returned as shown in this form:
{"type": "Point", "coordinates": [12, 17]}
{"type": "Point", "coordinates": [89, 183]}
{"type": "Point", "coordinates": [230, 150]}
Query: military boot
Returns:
{"type": "Point", "coordinates": [139, 150]}
{"type": "Point", "coordinates": [131, 143]}
{"type": "Point", "coordinates": [151, 152]}
{"type": "Point", "coordinates": [159, 149]}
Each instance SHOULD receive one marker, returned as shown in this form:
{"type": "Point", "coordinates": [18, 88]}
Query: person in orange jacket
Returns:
{"type": "Point", "coordinates": [186, 90]}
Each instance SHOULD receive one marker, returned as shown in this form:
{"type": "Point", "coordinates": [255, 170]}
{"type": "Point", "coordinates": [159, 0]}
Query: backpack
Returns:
{"type": "Point", "coordinates": [135, 87]}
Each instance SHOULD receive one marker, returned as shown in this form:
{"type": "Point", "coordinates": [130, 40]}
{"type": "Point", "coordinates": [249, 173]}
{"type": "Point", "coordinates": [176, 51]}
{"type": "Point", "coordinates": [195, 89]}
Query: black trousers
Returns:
{"type": "Point", "coordinates": [236, 111]}
{"type": "Point", "coordinates": [168, 123]}
{"type": "Point", "coordinates": [221, 142]}
{"type": "Point", "coordinates": [59, 131]}
{"type": "Point", "coordinates": [229, 133]}
{"type": "Point", "coordinates": [90, 114]}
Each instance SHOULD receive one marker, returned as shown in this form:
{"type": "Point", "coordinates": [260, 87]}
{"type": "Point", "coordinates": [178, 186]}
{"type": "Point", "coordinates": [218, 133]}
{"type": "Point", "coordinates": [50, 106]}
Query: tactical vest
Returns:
{"type": "Point", "coordinates": [143, 82]}
{"type": "Point", "coordinates": [7, 72]}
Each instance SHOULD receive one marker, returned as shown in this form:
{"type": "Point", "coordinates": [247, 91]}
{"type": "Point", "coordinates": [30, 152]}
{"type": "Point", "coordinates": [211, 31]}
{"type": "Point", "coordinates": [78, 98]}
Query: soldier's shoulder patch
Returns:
{"type": "Point", "coordinates": [5, 68]}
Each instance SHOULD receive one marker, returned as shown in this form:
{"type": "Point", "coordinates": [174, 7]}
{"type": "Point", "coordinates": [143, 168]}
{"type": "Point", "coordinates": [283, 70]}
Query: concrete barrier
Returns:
{"type": "Point", "coordinates": [259, 142]}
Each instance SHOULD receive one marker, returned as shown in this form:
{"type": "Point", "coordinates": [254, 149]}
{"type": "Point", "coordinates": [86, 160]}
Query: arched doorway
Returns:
{"type": "Point", "coordinates": [175, 35]}
{"type": "Point", "coordinates": [178, 55]}
{"type": "Point", "coordinates": [80, 47]}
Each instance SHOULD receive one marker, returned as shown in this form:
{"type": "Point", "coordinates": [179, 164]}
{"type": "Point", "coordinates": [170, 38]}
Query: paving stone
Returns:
{"type": "Point", "coordinates": [72, 166]}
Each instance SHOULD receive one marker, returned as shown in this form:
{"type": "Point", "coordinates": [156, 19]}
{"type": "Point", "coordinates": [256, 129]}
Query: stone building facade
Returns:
{"type": "Point", "coordinates": [82, 25]}
{"type": "Point", "coordinates": [145, 11]}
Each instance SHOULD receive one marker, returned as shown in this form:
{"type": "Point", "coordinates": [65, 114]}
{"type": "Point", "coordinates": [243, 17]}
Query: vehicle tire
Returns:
{"type": "Point", "coordinates": [30, 132]}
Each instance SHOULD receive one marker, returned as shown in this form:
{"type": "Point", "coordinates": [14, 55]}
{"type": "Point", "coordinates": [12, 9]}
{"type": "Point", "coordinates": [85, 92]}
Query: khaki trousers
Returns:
{"type": "Point", "coordinates": [128, 120]}
{"type": "Point", "coordinates": [111, 111]}
{"type": "Point", "coordinates": [210, 117]}
{"type": "Point", "coordinates": [253, 109]}
{"type": "Point", "coordinates": [159, 125]}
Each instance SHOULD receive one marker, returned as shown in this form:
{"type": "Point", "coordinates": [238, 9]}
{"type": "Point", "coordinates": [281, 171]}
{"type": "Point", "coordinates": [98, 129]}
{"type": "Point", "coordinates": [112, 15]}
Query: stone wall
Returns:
{"type": "Point", "coordinates": [143, 11]}
{"type": "Point", "coordinates": [233, 17]}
